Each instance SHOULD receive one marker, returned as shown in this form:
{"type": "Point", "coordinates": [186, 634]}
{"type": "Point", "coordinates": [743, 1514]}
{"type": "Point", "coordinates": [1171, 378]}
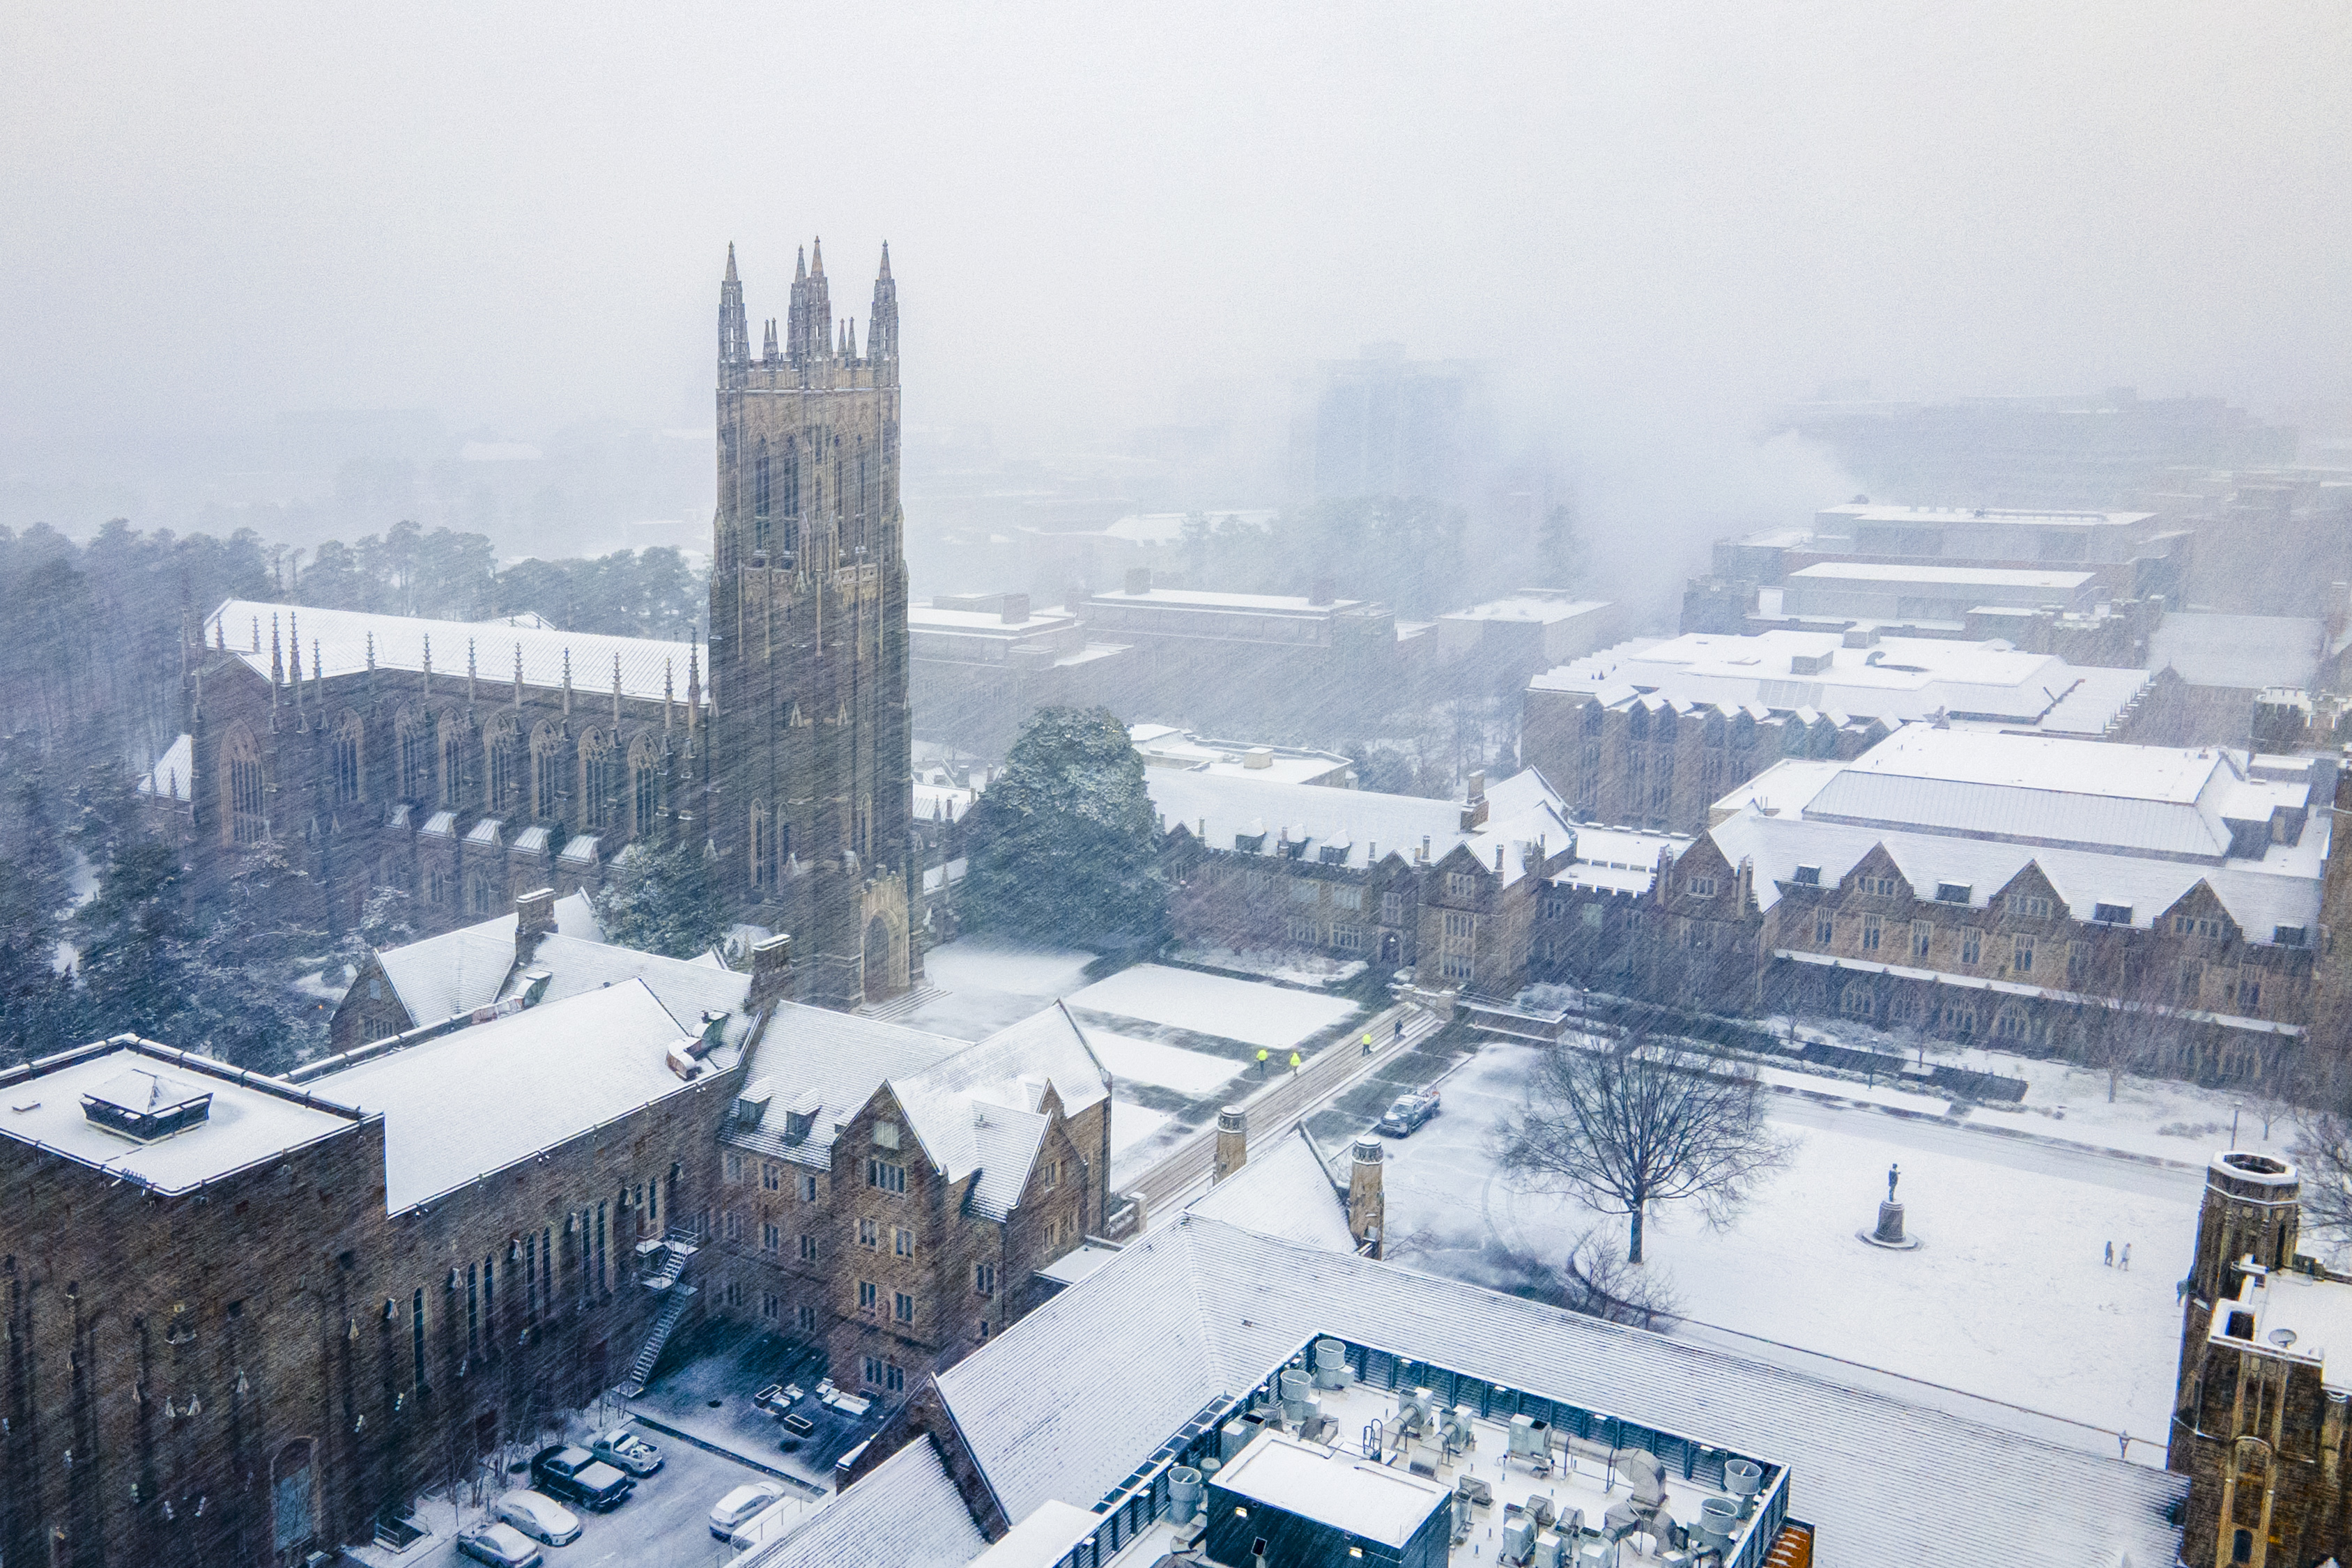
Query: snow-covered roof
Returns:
{"type": "Point", "coordinates": [1166, 746]}
{"type": "Point", "coordinates": [1200, 599]}
{"type": "Point", "coordinates": [251, 1118]}
{"type": "Point", "coordinates": [1284, 1191]}
{"type": "Point", "coordinates": [1873, 512]}
{"type": "Point", "coordinates": [1897, 678]}
{"type": "Point", "coordinates": [1957, 576]}
{"type": "Point", "coordinates": [1067, 1404]}
{"type": "Point", "coordinates": [173, 774]}
{"type": "Point", "coordinates": [925, 1525]}
{"type": "Point", "coordinates": [688, 988]}
{"type": "Point", "coordinates": [1540, 608]}
{"type": "Point", "coordinates": [339, 642]}
{"type": "Point", "coordinates": [477, 1100]}
{"type": "Point", "coordinates": [2131, 827]}
{"type": "Point", "coordinates": [826, 1064]}
{"type": "Point", "coordinates": [439, 977]}
{"type": "Point", "coordinates": [1358, 827]}
{"type": "Point", "coordinates": [2243, 651]}
{"type": "Point", "coordinates": [2045, 789]}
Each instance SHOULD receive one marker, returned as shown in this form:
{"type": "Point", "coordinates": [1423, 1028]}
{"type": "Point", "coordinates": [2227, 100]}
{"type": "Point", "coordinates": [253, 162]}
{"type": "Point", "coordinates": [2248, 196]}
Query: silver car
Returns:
{"type": "Point", "coordinates": [624, 1450]}
{"type": "Point", "coordinates": [500, 1546]}
{"type": "Point", "coordinates": [538, 1516]}
{"type": "Point", "coordinates": [741, 1504]}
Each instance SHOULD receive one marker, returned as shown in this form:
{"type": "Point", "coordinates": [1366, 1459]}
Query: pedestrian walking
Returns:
{"type": "Point", "coordinates": [1367, 1042]}
{"type": "Point", "coordinates": [1261, 1061]}
{"type": "Point", "coordinates": [1294, 1064]}
{"type": "Point", "coordinates": [2126, 1256]}
{"type": "Point", "coordinates": [2111, 1246]}
{"type": "Point", "coordinates": [1400, 1029]}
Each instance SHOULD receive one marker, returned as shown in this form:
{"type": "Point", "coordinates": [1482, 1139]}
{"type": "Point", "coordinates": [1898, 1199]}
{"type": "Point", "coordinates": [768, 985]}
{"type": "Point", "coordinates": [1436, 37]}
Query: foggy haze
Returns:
{"type": "Point", "coordinates": [1655, 225]}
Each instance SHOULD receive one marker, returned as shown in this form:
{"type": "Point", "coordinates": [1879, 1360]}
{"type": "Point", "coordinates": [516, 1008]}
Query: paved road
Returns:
{"type": "Point", "coordinates": [1278, 1105]}
{"type": "Point", "coordinates": [1987, 1146]}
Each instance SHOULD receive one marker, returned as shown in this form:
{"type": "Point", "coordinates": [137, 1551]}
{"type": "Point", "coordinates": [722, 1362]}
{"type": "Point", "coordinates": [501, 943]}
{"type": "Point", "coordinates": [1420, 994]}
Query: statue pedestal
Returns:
{"type": "Point", "coordinates": [1889, 1233]}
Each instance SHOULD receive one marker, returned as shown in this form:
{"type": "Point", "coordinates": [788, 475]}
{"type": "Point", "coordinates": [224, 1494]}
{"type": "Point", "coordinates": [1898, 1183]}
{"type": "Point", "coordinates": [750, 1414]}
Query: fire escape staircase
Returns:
{"type": "Point", "coordinates": [673, 1251]}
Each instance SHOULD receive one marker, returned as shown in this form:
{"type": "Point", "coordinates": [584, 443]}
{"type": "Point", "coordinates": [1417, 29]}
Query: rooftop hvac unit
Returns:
{"type": "Point", "coordinates": [1331, 1369]}
{"type": "Point", "coordinates": [1416, 1411]}
{"type": "Point", "coordinates": [1185, 1490]}
{"type": "Point", "coordinates": [1519, 1539]}
{"type": "Point", "coordinates": [1456, 1429]}
{"type": "Point", "coordinates": [1550, 1551]}
{"type": "Point", "coordinates": [1596, 1554]}
{"type": "Point", "coordinates": [1743, 1478]}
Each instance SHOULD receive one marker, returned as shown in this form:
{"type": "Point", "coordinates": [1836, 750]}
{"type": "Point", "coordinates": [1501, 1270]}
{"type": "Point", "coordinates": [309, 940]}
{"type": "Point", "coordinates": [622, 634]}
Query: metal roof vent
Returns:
{"type": "Point", "coordinates": [146, 1106]}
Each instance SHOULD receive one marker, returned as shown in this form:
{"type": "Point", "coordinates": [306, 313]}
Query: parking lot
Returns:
{"type": "Point", "coordinates": [666, 1523]}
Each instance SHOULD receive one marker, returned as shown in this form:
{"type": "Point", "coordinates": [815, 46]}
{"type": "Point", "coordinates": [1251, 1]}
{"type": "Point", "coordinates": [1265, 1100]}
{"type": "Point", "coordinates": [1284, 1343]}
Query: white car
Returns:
{"type": "Point", "coordinates": [538, 1516]}
{"type": "Point", "coordinates": [498, 1546]}
{"type": "Point", "coordinates": [741, 1504]}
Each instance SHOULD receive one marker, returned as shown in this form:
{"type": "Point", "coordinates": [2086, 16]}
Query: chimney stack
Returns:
{"type": "Point", "coordinates": [1232, 1142]}
{"type": "Point", "coordinates": [771, 973]}
{"type": "Point", "coordinates": [1366, 1206]}
{"type": "Point", "coordinates": [534, 919]}
{"type": "Point", "coordinates": [1319, 592]}
{"type": "Point", "coordinates": [1014, 610]}
{"type": "Point", "coordinates": [1139, 579]}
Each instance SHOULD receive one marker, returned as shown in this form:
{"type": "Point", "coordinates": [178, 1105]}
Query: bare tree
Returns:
{"type": "Point", "coordinates": [1644, 1122]}
{"type": "Point", "coordinates": [1599, 1281]}
{"type": "Point", "coordinates": [2128, 1022]}
{"type": "Point", "coordinates": [2323, 1153]}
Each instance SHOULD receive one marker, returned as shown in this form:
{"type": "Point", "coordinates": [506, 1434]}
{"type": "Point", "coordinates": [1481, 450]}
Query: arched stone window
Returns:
{"type": "Point", "coordinates": [481, 893]}
{"type": "Point", "coordinates": [242, 788]}
{"type": "Point", "coordinates": [546, 748]}
{"type": "Point", "coordinates": [456, 765]}
{"type": "Point", "coordinates": [501, 765]}
{"type": "Point", "coordinates": [762, 497]}
{"type": "Point", "coordinates": [415, 740]}
{"type": "Point", "coordinates": [595, 780]}
{"type": "Point", "coordinates": [343, 761]}
{"type": "Point", "coordinates": [645, 787]}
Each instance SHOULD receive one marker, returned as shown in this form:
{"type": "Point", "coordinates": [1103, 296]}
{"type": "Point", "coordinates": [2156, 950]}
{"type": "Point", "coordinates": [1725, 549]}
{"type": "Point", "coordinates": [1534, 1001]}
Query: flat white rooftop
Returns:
{"type": "Point", "coordinates": [1536, 607]}
{"type": "Point", "coordinates": [1957, 576]}
{"type": "Point", "coordinates": [926, 618]}
{"type": "Point", "coordinates": [1357, 1495]}
{"type": "Point", "coordinates": [1190, 599]}
{"type": "Point", "coordinates": [2043, 763]}
{"type": "Point", "coordinates": [244, 1125]}
{"type": "Point", "coordinates": [1997, 516]}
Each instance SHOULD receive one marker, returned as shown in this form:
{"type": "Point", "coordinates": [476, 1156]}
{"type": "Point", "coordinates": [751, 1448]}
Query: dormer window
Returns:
{"type": "Point", "coordinates": [1808, 877]}
{"type": "Point", "coordinates": [1700, 887]}
{"type": "Point", "coordinates": [2288, 936]}
{"type": "Point", "coordinates": [1952, 892]}
{"type": "Point", "coordinates": [2112, 915]}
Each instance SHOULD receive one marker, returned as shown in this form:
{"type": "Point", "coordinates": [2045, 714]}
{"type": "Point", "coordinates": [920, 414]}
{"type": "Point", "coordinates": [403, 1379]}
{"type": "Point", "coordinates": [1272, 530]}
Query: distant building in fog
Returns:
{"type": "Point", "coordinates": [980, 664]}
{"type": "Point", "coordinates": [2094, 450]}
{"type": "Point", "coordinates": [1382, 424]}
{"type": "Point", "coordinates": [1495, 645]}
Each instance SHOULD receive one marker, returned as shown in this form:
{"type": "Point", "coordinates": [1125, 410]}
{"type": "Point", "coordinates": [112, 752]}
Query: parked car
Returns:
{"type": "Point", "coordinates": [576, 1476]}
{"type": "Point", "coordinates": [623, 1450]}
{"type": "Point", "coordinates": [741, 1504]}
{"type": "Point", "coordinates": [538, 1516]}
{"type": "Point", "coordinates": [500, 1545]}
{"type": "Point", "coordinates": [1408, 1113]}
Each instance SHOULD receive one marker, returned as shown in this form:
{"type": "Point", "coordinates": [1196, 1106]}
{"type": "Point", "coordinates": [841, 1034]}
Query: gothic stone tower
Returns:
{"type": "Point", "coordinates": [810, 762]}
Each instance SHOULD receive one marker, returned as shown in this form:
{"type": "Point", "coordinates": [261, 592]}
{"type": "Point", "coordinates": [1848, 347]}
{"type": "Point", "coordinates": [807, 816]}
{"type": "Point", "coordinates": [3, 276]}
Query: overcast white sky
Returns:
{"type": "Point", "coordinates": [518, 212]}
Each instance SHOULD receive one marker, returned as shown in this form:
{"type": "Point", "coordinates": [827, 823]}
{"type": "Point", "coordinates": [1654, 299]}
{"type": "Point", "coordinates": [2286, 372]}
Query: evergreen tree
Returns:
{"type": "Point", "coordinates": [1063, 843]}
{"type": "Point", "coordinates": [662, 900]}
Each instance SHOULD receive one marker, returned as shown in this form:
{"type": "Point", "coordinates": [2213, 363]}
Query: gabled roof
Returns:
{"type": "Point", "coordinates": [687, 987]}
{"type": "Point", "coordinates": [925, 1524]}
{"type": "Point", "coordinates": [828, 1064]}
{"type": "Point", "coordinates": [439, 977]}
{"type": "Point", "coordinates": [1358, 827]}
{"type": "Point", "coordinates": [978, 1109]}
{"type": "Point", "coordinates": [1286, 1192]}
{"type": "Point", "coordinates": [341, 640]}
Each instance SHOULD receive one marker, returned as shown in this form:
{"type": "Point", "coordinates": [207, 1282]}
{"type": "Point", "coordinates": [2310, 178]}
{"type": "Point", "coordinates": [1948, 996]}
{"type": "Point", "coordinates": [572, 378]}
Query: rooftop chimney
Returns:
{"type": "Point", "coordinates": [534, 919]}
{"type": "Point", "coordinates": [1318, 592]}
{"type": "Point", "coordinates": [1015, 609]}
{"type": "Point", "coordinates": [1366, 1206]}
{"type": "Point", "coordinates": [1139, 579]}
{"type": "Point", "coordinates": [1232, 1141]}
{"type": "Point", "coordinates": [771, 973]}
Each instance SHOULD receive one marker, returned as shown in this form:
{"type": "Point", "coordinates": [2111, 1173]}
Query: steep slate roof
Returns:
{"type": "Point", "coordinates": [1068, 1402]}
{"type": "Point", "coordinates": [1285, 1192]}
{"type": "Point", "coordinates": [971, 1108]}
{"type": "Point", "coordinates": [1519, 809]}
{"type": "Point", "coordinates": [476, 1101]}
{"type": "Point", "coordinates": [687, 987]}
{"type": "Point", "coordinates": [925, 1524]}
{"type": "Point", "coordinates": [437, 977]}
{"type": "Point", "coordinates": [340, 640]}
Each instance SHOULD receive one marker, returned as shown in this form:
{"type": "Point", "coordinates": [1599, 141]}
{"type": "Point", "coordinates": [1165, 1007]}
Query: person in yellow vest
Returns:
{"type": "Point", "coordinates": [1294, 1064]}
{"type": "Point", "coordinates": [1261, 1061]}
{"type": "Point", "coordinates": [1367, 1042]}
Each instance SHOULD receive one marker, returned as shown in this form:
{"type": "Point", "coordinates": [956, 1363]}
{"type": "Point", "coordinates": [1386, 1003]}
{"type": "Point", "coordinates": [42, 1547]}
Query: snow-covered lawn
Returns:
{"type": "Point", "coordinates": [1297, 966]}
{"type": "Point", "coordinates": [1132, 1123]}
{"type": "Point", "coordinates": [1170, 1066]}
{"type": "Point", "coordinates": [2009, 1298]}
{"type": "Point", "coordinates": [1239, 1010]}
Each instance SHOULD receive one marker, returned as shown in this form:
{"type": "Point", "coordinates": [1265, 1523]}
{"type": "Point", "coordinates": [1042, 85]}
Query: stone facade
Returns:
{"type": "Point", "coordinates": [466, 763]}
{"type": "Point", "coordinates": [255, 1363]}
